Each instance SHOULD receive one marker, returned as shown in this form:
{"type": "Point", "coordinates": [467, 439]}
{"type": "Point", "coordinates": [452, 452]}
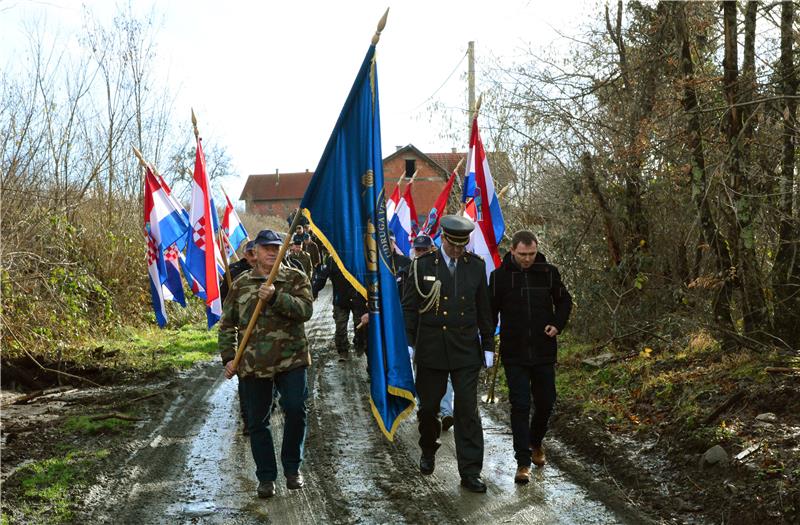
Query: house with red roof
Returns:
{"type": "Point", "coordinates": [280, 193]}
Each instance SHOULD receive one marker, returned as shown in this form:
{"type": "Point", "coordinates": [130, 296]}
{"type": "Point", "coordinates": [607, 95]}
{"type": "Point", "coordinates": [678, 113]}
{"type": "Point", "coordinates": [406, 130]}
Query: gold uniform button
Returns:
{"type": "Point", "coordinates": [445, 298]}
{"type": "Point", "coordinates": [445, 313]}
{"type": "Point", "coordinates": [444, 328]}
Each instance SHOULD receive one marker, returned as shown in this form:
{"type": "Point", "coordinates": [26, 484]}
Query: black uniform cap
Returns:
{"type": "Point", "coordinates": [456, 229]}
{"type": "Point", "coordinates": [297, 238]}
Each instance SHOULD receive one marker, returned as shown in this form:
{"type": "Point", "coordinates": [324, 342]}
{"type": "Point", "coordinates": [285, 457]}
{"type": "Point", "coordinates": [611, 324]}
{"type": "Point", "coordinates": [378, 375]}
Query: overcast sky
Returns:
{"type": "Point", "coordinates": [267, 79]}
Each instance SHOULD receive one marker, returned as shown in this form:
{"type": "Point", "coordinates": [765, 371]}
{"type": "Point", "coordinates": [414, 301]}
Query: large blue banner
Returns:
{"type": "Point", "coordinates": [346, 207]}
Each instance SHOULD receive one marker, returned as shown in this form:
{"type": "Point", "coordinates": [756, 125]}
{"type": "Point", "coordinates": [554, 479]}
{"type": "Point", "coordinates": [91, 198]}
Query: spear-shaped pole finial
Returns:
{"type": "Point", "coordinates": [478, 104]}
{"type": "Point", "coordinates": [194, 125]}
{"type": "Point", "coordinates": [139, 156]}
{"type": "Point", "coordinates": [381, 25]}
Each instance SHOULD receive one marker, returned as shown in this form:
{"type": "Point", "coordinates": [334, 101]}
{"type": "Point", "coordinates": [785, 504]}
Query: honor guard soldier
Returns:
{"type": "Point", "coordinates": [449, 322]}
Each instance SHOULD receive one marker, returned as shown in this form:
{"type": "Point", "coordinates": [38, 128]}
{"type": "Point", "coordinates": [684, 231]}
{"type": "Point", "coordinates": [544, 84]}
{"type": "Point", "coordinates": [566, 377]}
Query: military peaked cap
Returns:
{"type": "Point", "coordinates": [456, 229]}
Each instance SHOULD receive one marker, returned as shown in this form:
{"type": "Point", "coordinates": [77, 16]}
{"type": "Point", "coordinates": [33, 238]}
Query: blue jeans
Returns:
{"type": "Point", "coordinates": [446, 405]}
{"type": "Point", "coordinates": [526, 382]}
{"type": "Point", "coordinates": [258, 397]}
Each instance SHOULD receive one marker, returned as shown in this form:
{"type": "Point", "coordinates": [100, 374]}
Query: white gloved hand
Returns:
{"type": "Point", "coordinates": [488, 359]}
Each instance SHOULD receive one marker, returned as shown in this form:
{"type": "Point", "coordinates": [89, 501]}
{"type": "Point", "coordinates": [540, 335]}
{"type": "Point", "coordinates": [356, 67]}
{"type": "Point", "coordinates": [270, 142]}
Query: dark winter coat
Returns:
{"type": "Point", "coordinates": [401, 265]}
{"type": "Point", "coordinates": [344, 295]}
{"type": "Point", "coordinates": [527, 301]}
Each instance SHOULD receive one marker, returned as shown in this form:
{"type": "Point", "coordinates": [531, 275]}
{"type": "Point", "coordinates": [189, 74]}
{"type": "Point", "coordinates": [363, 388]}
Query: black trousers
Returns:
{"type": "Point", "coordinates": [468, 432]}
{"type": "Point", "coordinates": [526, 382]}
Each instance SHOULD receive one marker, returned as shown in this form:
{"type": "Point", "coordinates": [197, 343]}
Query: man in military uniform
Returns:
{"type": "Point", "coordinates": [346, 300]}
{"type": "Point", "coordinates": [297, 253]}
{"type": "Point", "coordinates": [276, 356]}
{"type": "Point", "coordinates": [310, 246]}
{"type": "Point", "coordinates": [449, 322]}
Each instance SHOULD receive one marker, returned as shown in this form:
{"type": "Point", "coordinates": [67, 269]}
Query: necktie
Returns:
{"type": "Point", "coordinates": [452, 266]}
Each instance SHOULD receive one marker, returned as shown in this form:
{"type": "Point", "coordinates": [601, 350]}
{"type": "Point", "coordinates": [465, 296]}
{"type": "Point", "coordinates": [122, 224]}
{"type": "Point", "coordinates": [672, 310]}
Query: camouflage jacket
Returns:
{"type": "Point", "coordinates": [305, 261]}
{"type": "Point", "coordinates": [278, 342]}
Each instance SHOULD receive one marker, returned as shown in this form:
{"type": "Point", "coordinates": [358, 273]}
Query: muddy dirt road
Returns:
{"type": "Point", "coordinates": [196, 466]}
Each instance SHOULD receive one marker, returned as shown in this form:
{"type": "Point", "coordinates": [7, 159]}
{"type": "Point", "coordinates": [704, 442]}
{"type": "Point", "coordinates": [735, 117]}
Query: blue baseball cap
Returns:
{"type": "Point", "coordinates": [250, 246]}
{"type": "Point", "coordinates": [268, 237]}
{"type": "Point", "coordinates": [422, 241]}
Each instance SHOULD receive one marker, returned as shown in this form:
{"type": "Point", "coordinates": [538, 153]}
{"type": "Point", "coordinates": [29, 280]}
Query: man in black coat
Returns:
{"type": "Point", "coordinates": [448, 321]}
{"type": "Point", "coordinates": [534, 306]}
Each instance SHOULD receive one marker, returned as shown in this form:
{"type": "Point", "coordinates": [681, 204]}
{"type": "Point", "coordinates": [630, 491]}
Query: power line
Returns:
{"type": "Point", "coordinates": [443, 83]}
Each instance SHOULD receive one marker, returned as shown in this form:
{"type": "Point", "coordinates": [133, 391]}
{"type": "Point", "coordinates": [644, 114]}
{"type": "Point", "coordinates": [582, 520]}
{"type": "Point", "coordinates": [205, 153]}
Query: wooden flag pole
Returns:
{"type": "Point", "coordinates": [260, 305]}
{"type": "Point", "coordinates": [477, 109]}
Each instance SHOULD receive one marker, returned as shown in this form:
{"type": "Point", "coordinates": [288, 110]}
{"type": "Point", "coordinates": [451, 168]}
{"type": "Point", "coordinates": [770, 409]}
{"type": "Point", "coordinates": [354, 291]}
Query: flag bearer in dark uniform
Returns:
{"type": "Point", "coordinates": [449, 322]}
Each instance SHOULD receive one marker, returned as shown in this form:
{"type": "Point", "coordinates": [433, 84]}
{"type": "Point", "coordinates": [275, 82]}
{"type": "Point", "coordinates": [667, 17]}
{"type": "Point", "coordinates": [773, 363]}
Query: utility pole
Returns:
{"type": "Point", "coordinates": [471, 84]}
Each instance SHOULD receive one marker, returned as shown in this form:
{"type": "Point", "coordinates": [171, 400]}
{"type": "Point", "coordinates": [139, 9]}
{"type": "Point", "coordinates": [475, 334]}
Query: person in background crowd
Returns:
{"type": "Point", "coordinates": [302, 258]}
{"type": "Point", "coordinates": [346, 300]}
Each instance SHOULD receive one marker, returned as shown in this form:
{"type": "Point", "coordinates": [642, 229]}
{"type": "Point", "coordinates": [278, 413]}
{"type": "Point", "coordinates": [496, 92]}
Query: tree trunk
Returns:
{"type": "Point", "coordinates": [754, 309]}
{"type": "Point", "coordinates": [699, 182]}
{"type": "Point", "coordinates": [608, 216]}
{"type": "Point", "coordinates": [786, 270]}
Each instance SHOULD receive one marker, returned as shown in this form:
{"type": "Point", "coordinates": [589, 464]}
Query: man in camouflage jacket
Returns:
{"type": "Point", "coordinates": [276, 356]}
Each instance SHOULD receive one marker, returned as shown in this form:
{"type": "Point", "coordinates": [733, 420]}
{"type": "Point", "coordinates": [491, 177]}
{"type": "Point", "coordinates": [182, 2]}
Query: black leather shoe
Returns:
{"type": "Point", "coordinates": [473, 484]}
{"type": "Point", "coordinates": [266, 489]}
{"type": "Point", "coordinates": [295, 481]}
{"type": "Point", "coordinates": [427, 464]}
{"type": "Point", "coordinates": [447, 423]}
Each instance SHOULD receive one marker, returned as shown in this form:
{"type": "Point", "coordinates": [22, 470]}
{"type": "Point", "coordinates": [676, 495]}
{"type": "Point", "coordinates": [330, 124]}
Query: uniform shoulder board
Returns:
{"type": "Point", "coordinates": [427, 255]}
{"type": "Point", "coordinates": [473, 254]}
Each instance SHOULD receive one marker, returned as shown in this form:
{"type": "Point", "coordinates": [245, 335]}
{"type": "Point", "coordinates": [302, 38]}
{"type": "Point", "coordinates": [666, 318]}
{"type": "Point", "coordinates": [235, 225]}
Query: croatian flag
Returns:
{"type": "Point", "coordinates": [202, 251]}
{"type": "Point", "coordinates": [233, 227]}
{"type": "Point", "coordinates": [391, 206]}
{"type": "Point", "coordinates": [404, 222]}
{"type": "Point", "coordinates": [177, 205]}
{"type": "Point", "coordinates": [172, 285]}
{"type": "Point", "coordinates": [166, 222]}
{"type": "Point", "coordinates": [483, 207]}
{"type": "Point", "coordinates": [155, 271]}
{"type": "Point", "coordinates": [431, 227]}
